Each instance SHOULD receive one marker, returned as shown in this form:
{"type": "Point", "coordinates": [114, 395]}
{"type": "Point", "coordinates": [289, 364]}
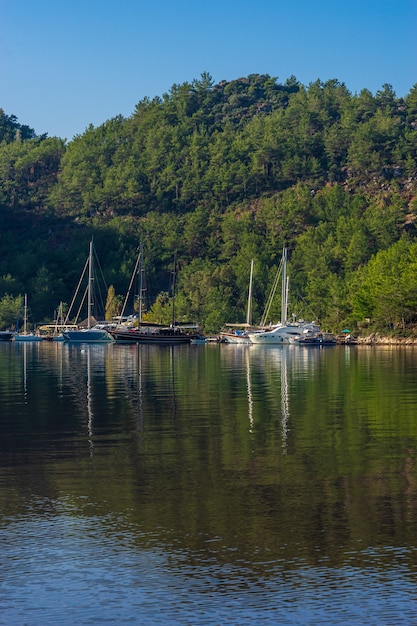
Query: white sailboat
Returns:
{"type": "Point", "coordinates": [238, 333]}
{"type": "Point", "coordinates": [92, 333]}
{"type": "Point", "coordinates": [284, 332]}
{"type": "Point", "coordinates": [25, 335]}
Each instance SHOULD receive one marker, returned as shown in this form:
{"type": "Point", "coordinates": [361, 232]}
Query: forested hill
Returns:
{"type": "Point", "coordinates": [219, 174]}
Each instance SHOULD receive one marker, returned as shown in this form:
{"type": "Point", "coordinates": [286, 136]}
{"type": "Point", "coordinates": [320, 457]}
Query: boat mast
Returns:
{"type": "Point", "coordinates": [132, 279]}
{"type": "Point", "coordinates": [284, 293]}
{"type": "Point", "coordinates": [287, 298]}
{"type": "Point", "coordinates": [173, 290]}
{"type": "Point", "coordinates": [249, 311]}
{"type": "Point", "coordinates": [140, 286]}
{"type": "Point", "coordinates": [273, 292]}
{"type": "Point", "coordinates": [25, 315]}
{"type": "Point", "coordinates": [59, 317]}
{"type": "Point", "coordinates": [90, 286]}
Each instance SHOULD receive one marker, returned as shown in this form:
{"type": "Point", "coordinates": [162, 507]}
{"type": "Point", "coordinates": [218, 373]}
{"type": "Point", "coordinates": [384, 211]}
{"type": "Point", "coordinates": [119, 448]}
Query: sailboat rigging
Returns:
{"type": "Point", "coordinates": [137, 272]}
{"type": "Point", "coordinates": [283, 332]}
{"type": "Point", "coordinates": [240, 332]}
{"type": "Point", "coordinates": [150, 332]}
{"type": "Point", "coordinates": [93, 332]}
{"type": "Point", "coordinates": [26, 335]}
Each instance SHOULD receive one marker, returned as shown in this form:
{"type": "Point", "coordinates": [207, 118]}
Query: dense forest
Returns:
{"type": "Point", "coordinates": [215, 175]}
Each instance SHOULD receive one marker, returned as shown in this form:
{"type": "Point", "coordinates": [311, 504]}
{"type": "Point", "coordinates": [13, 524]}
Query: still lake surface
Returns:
{"type": "Point", "coordinates": [207, 484]}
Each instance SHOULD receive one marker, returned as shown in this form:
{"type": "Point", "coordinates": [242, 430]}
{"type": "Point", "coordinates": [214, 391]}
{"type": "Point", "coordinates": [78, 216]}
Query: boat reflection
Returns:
{"type": "Point", "coordinates": [249, 388]}
{"type": "Point", "coordinates": [263, 367]}
{"type": "Point", "coordinates": [28, 352]}
{"type": "Point", "coordinates": [285, 409]}
{"type": "Point", "coordinates": [90, 414]}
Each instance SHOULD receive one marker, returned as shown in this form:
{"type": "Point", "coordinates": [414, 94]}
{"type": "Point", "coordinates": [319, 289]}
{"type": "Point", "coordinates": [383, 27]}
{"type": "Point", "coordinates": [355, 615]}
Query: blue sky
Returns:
{"type": "Point", "coordinates": [65, 65]}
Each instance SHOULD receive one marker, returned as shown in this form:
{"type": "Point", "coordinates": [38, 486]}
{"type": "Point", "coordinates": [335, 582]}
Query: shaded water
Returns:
{"type": "Point", "coordinates": [212, 484]}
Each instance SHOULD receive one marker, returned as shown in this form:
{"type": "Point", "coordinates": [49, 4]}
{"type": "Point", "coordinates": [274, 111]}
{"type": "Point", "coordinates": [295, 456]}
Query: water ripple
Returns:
{"type": "Point", "coordinates": [79, 570]}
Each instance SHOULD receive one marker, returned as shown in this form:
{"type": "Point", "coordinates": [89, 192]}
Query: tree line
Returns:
{"type": "Point", "coordinates": [217, 175]}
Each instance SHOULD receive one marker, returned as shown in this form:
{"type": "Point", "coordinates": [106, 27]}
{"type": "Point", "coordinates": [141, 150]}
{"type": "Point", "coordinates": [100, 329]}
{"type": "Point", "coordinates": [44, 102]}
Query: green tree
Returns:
{"type": "Point", "coordinates": [10, 309]}
{"type": "Point", "coordinates": [384, 290]}
{"type": "Point", "coordinates": [161, 310]}
{"type": "Point", "coordinates": [113, 304]}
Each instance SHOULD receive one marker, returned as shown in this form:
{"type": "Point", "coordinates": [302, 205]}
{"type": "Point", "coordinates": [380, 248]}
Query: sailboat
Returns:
{"type": "Point", "coordinates": [53, 332]}
{"type": "Point", "coordinates": [240, 332]}
{"type": "Point", "coordinates": [283, 332]}
{"type": "Point", "coordinates": [92, 333]}
{"type": "Point", "coordinates": [150, 332]}
{"type": "Point", "coordinates": [26, 335]}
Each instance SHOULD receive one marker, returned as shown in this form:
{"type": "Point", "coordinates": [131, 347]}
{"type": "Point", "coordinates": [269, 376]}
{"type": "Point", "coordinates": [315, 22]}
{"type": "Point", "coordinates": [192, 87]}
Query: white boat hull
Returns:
{"type": "Point", "coordinates": [234, 338]}
{"type": "Point", "coordinates": [286, 334]}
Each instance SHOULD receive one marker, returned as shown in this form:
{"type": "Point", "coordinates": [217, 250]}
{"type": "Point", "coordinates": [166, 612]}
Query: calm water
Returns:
{"type": "Point", "coordinates": [207, 484]}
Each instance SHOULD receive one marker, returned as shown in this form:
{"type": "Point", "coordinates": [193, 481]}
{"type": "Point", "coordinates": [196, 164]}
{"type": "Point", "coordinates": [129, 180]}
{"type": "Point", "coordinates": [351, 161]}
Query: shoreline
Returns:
{"type": "Point", "coordinates": [381, 340]}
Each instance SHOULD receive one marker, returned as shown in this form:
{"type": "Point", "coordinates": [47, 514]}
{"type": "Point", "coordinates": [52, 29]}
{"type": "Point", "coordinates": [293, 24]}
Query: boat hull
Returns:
{"type": "Point", "coordinates": [6, 336]}
{"type": "Point", "coordinates": [315, 342]}
{"type": "Point", "coordinates": [27, 338]}
{"type": "Point", "coordinates": [160, 337]}
{"type": "Point", "coordinates": [276, 336]}
{"type": "Point", "coordinates": [321, 339]}
{"type": "Point", "coordinates": [234, 338]}
{"type": "Point", "coordinates": [87, 336]}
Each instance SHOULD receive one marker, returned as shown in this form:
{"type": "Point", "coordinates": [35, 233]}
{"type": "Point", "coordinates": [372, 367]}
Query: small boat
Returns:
{"type": "Point", "coordinates": [316, 339]}
{"type": "Point", "coordinates": [199, 339]}
{"type": "Point", "coordinates": [53, 332]}
{"type": "Point", "coordinates": [26, 335]}
{"type": "Point", "coordinates": [239, 335]}
{"type": "Point", "coordinates": [347, 340]}
{"type": "Point", "coordinates": [6, 335]}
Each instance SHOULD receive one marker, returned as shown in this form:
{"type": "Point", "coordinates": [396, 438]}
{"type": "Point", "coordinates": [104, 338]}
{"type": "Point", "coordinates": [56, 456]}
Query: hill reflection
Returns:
{"type": "Point", "coordinates": [261, 457]}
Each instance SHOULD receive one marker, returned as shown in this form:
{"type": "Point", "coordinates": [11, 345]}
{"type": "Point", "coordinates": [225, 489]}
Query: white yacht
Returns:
{"type": "Point", "coordinates": [285, 332]}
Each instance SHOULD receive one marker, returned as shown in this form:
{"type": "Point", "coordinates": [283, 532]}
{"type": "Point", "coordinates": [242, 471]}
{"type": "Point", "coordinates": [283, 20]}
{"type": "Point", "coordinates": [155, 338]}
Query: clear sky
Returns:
{"type": "Point", "coordinates": [65, 65]}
